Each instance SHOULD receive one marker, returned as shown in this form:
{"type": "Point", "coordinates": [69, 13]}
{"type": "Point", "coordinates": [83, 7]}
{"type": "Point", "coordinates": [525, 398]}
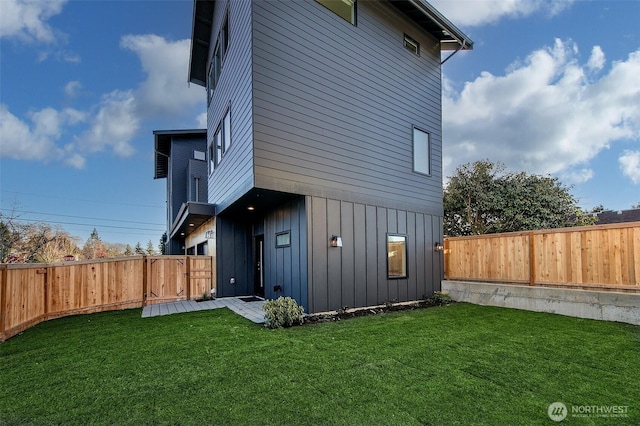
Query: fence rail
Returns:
{"type": "Point", "coordinates": [32, 293]}
{"type": "Point", "coordinates": [603, 256]}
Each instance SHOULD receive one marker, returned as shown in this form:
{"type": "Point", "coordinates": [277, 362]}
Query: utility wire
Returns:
{"type": "Point", "coordinates": [79, 217]}
{"type": "Point", "coordinates": [93, 225]}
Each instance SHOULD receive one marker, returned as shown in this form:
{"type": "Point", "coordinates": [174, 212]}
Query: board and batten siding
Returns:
{"type": "Point", "coordinates": [355, 274]}
{"type": "Point", "coordinates": [234, 175]}
{"type": "Point", "coordinates": [334, 105]}
{"type": "Point", "coordinates": [286, 266]}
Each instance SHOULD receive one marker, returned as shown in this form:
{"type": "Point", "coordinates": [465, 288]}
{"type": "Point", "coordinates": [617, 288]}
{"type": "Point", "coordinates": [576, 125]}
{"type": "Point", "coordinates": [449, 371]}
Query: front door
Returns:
{"type": "Point", "coordinates": [258, 267]}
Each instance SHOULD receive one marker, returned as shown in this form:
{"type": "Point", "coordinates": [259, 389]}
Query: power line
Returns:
{"type": "Point", "coordinates": [80, 217]}
{"type": "Point", "coordinates": [83, 200]}
{"type": "Point", "coordinates": [94, 226]}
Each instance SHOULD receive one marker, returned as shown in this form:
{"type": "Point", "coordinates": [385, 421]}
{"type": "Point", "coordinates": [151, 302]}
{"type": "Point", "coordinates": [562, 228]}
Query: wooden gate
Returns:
{"type": "Point", "coordinates": [171, 278]}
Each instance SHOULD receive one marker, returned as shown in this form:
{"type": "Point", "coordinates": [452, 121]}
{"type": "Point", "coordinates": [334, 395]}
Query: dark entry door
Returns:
{"type": "Point", "coordinates": [258, 266]}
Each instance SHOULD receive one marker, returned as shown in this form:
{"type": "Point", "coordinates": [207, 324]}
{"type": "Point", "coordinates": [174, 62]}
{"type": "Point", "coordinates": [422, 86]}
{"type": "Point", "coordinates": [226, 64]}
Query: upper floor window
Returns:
{"type": "Point", "coordinates": [219, 53]}
{"type": "Point", "coordinates": [411, 45]}
{"type": "Point", "coordinates": [221, 142]}
{"type": "Point", "coordinates": [421, 152]}
{"type": "Point", "coordinates": [346, 9]}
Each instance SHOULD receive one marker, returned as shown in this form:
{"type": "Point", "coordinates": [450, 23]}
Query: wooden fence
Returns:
{"type": "Point", "coordinates": [602, 256]}
{"type": "Point", "coordinates": [32, 293]}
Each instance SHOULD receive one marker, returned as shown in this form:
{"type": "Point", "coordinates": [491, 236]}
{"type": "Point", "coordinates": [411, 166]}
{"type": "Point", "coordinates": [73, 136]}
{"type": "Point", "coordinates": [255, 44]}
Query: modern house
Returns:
{"type": "Point", "coordinates": [180, 157]}
{"type": "Point", "coordinates": [323, 148]}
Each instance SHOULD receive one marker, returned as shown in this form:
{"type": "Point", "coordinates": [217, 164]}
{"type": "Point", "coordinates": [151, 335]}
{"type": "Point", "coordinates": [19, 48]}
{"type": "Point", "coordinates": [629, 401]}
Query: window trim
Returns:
{"type": "Point", "coordinates": [279, 234]}
{"type": "Point", "coordinates": [219, 146]}
{"type": "Point", "coordinates": [354, 10]}
{"type": "Point", "coordinates": [405, 238]}
{"type": "Point", "coordinates": [415, 154]}
{"type": "Point", "coordinates": [218, 57]}
{"type": "Point", "coordinates": [411, 44]}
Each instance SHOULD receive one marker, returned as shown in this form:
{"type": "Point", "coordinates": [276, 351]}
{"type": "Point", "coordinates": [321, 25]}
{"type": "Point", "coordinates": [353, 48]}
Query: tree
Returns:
{"type": "Point", "coordinates": [139, 249]}
{"type": "Point", "coordinates": [93, 248]}
{"type": "Point", "coordinates": [637, 206]}
{"type": "Point", "coordinates": [128, 251]}
{"type": "Point", "coordinates": [33, 242]}
{"type": "Point", "coordinates": [481, 198]}
{"type": "Point", "coordinates": [151, 251]}
{"type": "Point", "coordinates": [162, 247]}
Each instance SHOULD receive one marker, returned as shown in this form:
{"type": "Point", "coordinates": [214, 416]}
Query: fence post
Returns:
{"type": "Point", "coordinates": [188, 280]}
{"type": "Point", "coordinates": [47, 280]}
{"type": "Point", "coordinates": [3, 301]}
{"type": "Point", "coordinates": [145, 278]}
{"type": "Point", "coordinates": [532, 260]}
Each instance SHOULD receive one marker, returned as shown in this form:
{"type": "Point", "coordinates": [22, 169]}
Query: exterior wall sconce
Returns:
{"type": "Point", "coordinates": [438, 246]}
{"type": "Point", "coordinates": [336, 241]}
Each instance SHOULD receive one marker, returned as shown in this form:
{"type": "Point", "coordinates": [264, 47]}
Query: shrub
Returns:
{"type": "Point", "coordinates": [441, 298]}
{"type": "Point", "coordinates": [282, 312]}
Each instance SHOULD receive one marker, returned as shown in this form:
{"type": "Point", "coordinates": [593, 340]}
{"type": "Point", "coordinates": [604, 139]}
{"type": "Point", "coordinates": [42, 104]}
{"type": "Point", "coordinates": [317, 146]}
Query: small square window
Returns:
{"type": "Point", "coordinates": [283, 239]}
{"type": "Point", "coordinates": [411, 45]}
{"type": "Point", "coordinates": [396, 256]}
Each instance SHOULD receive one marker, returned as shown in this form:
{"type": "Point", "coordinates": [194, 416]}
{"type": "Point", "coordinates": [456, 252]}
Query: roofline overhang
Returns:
{"type": "Point", "coordinates": [162, 148]}
{"type": "Point", "coordinates": [191, 213]}
{"type": "Point", "coordinates": [200, 41]}
{"type": "Point", "coordinates": [459, 40]}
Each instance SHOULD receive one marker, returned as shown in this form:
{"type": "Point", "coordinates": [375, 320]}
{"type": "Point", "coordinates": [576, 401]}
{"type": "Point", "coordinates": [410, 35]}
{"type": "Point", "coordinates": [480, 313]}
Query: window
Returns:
{"type": "Point", "coordinates": [421, 155]}
{"type": "Point", "coordinates": [397, 256]}
{"type": "Point", "coordinates": [346, 9]}
{"type": "Point", "coordinates": [220, 52]}
{"type": "Point", "coordinates": [221, 142]}
{"type": "Point", "coordinates": [411, 45]}
{"type": "Point", "coordinates": [283, 239]}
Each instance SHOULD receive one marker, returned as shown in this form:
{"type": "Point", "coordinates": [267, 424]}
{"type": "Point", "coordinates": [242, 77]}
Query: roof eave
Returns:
{"type": "Point", "coordinates": [200, 40]}
{"type": "Point", "coordinates": [452, 37]}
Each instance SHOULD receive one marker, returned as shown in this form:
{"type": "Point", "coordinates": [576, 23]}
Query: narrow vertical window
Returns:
{"type": "Point", "coordinates": [226, 128]}
{"type": "Point", "coordinates": [218, 144]}
{"type": "Point", "coordinates": [397, 256]}
{"type": "Point", "coordinates": [421, 154]}
{"type": "Point", "coordinates": [212, 157]}
{"type": "Point", "coordinates": [346, 9]}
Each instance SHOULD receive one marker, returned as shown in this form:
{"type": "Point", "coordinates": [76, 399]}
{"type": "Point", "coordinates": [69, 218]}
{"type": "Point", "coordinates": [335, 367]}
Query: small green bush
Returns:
{"type": "Point", "coordinates": [282, 312]}
{"type": "Point", "coordinates": [441, 297]}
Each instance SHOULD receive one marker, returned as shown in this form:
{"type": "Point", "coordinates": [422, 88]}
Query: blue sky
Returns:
{"type": "Point", "coordinates": [552, 87]}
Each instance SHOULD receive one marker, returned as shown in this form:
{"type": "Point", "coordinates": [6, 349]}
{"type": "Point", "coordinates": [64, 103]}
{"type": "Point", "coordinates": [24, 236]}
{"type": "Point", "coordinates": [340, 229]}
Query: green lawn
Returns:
{"type": "Point", "coordinates": [457, 364]}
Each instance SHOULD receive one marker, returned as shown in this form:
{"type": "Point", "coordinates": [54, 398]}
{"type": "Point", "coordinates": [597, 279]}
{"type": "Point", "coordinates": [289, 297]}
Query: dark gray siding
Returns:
{"type": "Point", "coordinates": [234, 176]}
{"type": "Point", "coordinates": [197, 181]}
{"type": "Point", "coordinates": [287, 266]}
{"type": "Point", "coordinates": [178, 176]}
{"type": "Point", "coordinates": [356, 274]}
{"type": "Point", "coordinates": [233, 257]}
{"type": "Point", "coordinates": [335, 104]}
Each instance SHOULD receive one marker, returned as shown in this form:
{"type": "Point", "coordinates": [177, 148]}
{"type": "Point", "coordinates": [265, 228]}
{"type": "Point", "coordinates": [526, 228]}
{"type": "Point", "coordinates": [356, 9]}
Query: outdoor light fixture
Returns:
{"type": "Point", "coordinates": [336, 241]}
{"type": "Point", "coordinates": [251, 208]}
{"type": "Point", "coordinates": [438, 247]}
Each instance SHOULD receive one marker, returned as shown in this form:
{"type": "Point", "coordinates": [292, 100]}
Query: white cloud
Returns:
{"type": "Point", "coordinates": [597, 59]}
{"type": "Point", "coordinates": [115, 124]}
{"type": "Point", "coordinates": [630, 165]}
{"type": "Point", "coordinates": [475, 13]}
{"type": "Point", "coordinates": [71, 88]}
{"type": "Point", "coordinates": [577, 176]}
{"type": "Point", "coordinates": [21, 140]}
{"type": "Point", "coordinates": [201, 120]}
{"type": "Point", "coordinates": [117, 118]}
{"type": "Point", "coordinates": [27, 19]}
{"type": "Point", "coordinates": [60, 56]}
{"type": "Point", "coordinates": [544, 115]}
{"type": "Point", "coordinates": [165, 90]}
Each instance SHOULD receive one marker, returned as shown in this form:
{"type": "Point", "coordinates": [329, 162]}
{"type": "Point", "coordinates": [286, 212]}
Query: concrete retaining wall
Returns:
{"type": "Point", "coordinates": [600, 305]}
